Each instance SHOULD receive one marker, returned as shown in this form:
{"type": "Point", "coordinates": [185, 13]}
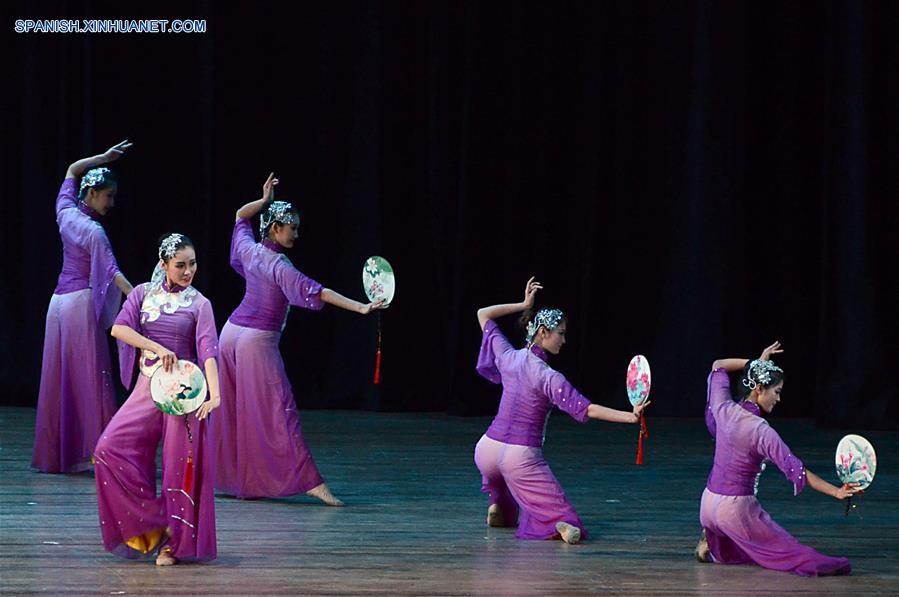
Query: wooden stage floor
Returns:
{"type": "Point", "coordinates": [414, 521]}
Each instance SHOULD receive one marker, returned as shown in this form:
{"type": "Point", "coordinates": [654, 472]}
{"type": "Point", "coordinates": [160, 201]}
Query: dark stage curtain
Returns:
{"type": "Point", "coordinates": [690, 180]}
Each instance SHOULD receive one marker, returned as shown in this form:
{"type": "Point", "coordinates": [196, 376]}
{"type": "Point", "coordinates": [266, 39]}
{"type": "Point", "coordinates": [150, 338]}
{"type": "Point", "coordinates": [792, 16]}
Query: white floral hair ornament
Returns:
{"type": "Point", "coordinates": [548, 318]}
{"type": "Point", "coordinates": [94, 177]}
{"type": "Point", "coordinates": [169, 246]}
{"type": "Point", "coordinates": [279, 211]}
{"type": "Point", "coordinates": [760, 373]}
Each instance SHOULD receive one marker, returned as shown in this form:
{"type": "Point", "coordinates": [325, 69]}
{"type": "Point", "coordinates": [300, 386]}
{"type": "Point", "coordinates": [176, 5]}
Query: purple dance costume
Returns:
{"type": "Point", "coordinates": [257, 433]}
{"type": "Point", "coordinates": [76, 398]}
{"type": "Point", "coordinates": [738, 530]}
{"type": "Point", "coordinates": [510, 454]}
{"type": "Point", "coordinates": [134, 520]}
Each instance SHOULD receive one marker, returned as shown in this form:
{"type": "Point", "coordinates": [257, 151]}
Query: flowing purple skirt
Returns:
{"type": "Point", "coordinates": [76, 398]}
{"type": "Point", "coordinates": [739, 531]}
{"type": "Point", "coordinates": [257, 435]}
{"type": "Point", "coordinates": [519, 481]}
{"type": "Point", "coordinates": [133, 519]}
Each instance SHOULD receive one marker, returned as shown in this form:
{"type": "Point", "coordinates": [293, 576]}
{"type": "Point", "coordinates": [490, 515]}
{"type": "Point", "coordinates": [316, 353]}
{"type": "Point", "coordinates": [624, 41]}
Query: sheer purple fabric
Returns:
{"type": "Point", "coordinates": [258, 435]}
{"type": "Point", "coordinates": [273, 283]}
{"type": "Point", "coordinates": [76, 398]}
{"type": "Point", "coordinates": [126, 453]}
{"type": "Point", "coordinates": [509, 456]}
{"type": "Point", "coordinates": [739, 531]}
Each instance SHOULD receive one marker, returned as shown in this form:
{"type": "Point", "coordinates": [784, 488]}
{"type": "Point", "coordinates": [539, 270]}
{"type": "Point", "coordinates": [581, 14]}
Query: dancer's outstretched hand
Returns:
{"type": "Point", "coordinates": [530, 290]}
{"type": "Point", "coordinates": [375, 306]}
{"type": "Point", "coordinates": [639, 408]}
{"type": "Point", "coordinates": [847, 490]}
{"type": "Point", "coordinates": [208, 406]}
{"type": "Point", "coordinates": [268, 188]}
{"type": "Point", "coordinates": [773, 349]}
{"type": "Point", "coordinates": [117, 151]}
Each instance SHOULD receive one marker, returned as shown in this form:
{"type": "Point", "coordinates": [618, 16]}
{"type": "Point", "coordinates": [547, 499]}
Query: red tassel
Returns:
{"type": "Point", "coordinates": [377, 378]}
{"type": "Point", "coordinates": [644, 432]}
{"type": "Point", "coordinates": [189, 475]}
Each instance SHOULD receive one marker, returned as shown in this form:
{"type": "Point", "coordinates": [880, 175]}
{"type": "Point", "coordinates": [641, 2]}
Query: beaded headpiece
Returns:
{"type": "Point", "coordinates": [548, 318]}
{"type": "Point", "coordinates": [279, 211]}
{"type": "Point", "coordinates": [760, 373]}
{"type": "Point", "coordinates": [169, 246]}
{"type": "Point", "coordinates": [94, 177]}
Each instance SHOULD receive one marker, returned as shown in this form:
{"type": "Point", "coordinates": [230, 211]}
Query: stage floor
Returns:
{"type": "Point", "coordinates": [414, 521]}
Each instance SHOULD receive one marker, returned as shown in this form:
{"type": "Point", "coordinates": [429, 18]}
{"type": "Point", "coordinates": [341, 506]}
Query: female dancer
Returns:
{"type": "Point", "coordinates": [166, 320]}
{"type": "Point", "coordinates": [518, 480]}
{"type": "Point", "coordinates": [259, 442]}
{"type": "Point", "coordinates": [76, 398]}
{"type": "Point", "coordinates": [735, 528]}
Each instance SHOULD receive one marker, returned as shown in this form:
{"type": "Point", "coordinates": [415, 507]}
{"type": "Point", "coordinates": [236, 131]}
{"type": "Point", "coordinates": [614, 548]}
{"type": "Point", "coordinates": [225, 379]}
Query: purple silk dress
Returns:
{"type": "Point", "coordinates": [134, 520]}
{"type": "Point", "coordinates": [510, 455]}
{"type": "Point", "coordinates": [738, 530]}
{"type": "Point", "coordinates": [76, 397]}
{"type": "Point", "coordinates": [257, 434]}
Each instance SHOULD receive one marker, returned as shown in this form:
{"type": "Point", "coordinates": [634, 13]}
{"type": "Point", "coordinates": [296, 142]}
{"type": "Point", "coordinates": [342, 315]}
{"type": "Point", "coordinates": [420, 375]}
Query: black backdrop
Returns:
{"type": "Point", "coordinates": [689, 180]}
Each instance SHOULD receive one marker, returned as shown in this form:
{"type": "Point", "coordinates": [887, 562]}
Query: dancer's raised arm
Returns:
{"type": "Point", "coordinates": [253, 208]}
{"type": "Point", "coordinates": [496, 311]}
{"type": "Point", "coordinates": [76, 169]}
{"type": "Point", "coordinates": [732, 365]}
{"type": "Point", "coordinates": [76, 398]}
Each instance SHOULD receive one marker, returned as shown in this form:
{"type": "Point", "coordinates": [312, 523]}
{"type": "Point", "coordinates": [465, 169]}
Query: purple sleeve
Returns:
{"type": "Point", "coordinates": [561, 393]}
{"type": "Point", "coordinates": [67, 196]}
{"type": "Point", "coordinates": [300, 289]}
{"type": "Point", "coordinates": [718, 396]}
{"type": "Point", "coordinates": [103, 272]}
{"type": "Point", "coordinates": [774, 449]}
{"type": "Point", "coordinates": [207, 337]}
{"type": "Point", "coordinates": [242, 240]}
{"type": "Point", "coordinates": [129, 316]}
{"type": "Point", "coordinates": [494, 346]}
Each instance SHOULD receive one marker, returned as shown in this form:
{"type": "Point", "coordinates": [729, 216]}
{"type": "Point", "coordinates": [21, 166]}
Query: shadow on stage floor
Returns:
{"type": "Point", "coordinates": [414, 518]}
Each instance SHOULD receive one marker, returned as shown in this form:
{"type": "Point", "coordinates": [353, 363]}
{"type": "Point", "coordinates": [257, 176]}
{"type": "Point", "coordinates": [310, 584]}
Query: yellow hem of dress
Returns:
{"type": "Point", "coordinates": [146, 542]}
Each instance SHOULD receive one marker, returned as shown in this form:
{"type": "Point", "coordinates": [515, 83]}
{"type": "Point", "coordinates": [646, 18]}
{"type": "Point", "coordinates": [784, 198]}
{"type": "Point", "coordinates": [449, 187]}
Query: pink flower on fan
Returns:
{"type": "Point", "coordinates": [632, 376]}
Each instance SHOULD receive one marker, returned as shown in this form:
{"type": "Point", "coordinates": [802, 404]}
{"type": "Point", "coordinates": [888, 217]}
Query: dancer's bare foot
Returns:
{"type": "Point", "coordinates": [570, 534]}
{"type": "Point", "coordinates": [702, 549]}
{"type": "Point", "coordinates": [324, 494]}
{"type": "Point", "coordinates": [165, 557]}
{"type": "Point", "coordinates": [495, 516]}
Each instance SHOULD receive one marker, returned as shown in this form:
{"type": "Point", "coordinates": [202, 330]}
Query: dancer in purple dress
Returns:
{"type": "Point", "coordinates": [521, 487]}
{"type": "Point", "coordinates": [76, 397]}
{"type": "Point", "coordinates": [165, 320]}
{"type": "Point", "coordinates": [736, 530]}
{"type": "Point", "coordinates": [258, 438]}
